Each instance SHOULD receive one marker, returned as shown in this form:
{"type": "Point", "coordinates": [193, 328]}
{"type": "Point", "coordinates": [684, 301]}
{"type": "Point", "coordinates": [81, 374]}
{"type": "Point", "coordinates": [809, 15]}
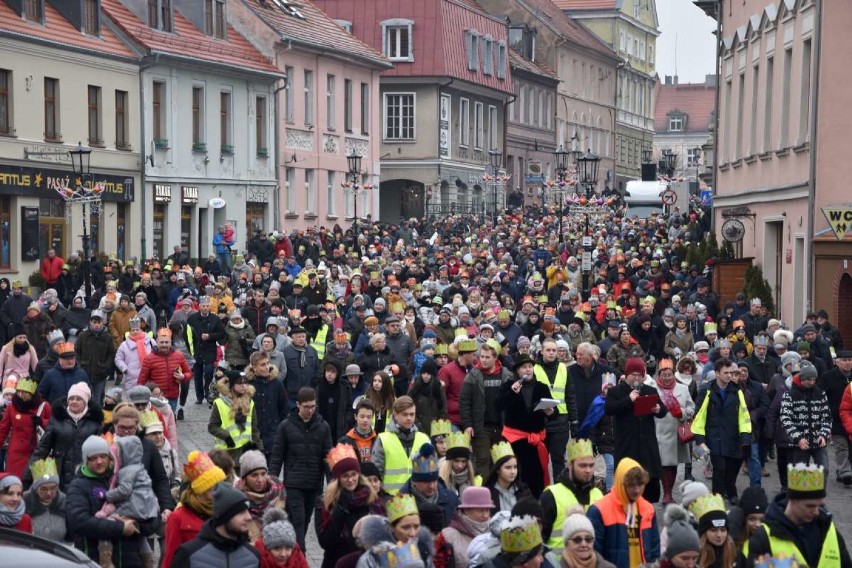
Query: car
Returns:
{"type": "Point", "coordinates": [18, 549]}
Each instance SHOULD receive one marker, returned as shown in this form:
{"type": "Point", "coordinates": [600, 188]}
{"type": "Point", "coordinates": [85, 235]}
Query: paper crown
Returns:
{"type": "Point", "coordinates": [501, 450]}
{"type": "Point", "coordinates": [44, 469]}
{"type": "Point", "coordinates": [401, 505]}
{"type": "Point", "coordinates": [467, 345]}
{"type": "Point", "coordinates": [761, 341]}
{"type": "Point", "coordinates": [707, 503]}
{"type": "Point", "coordinates": [10, 383]}
{"type": "Point", "coordinates": [401, 556]}
{"type": "Point", "coordinates": [520, 534]}
{"type": "Point", "coordinates": [738, 324]}
{"type": "Point", "coordinates": [339, 453]}
{"type": "Point", "coordinates": [441, 349]}
{"type": "Point", "coordinates": [805, 481]}
{"type": "Point", "coordinates": [202, 472]}
{"type": "Point", "coordinates": [458, 440]}
{"type": "Point", "coordinates": [710, 327]}
{"type": "Point", "coordinates": [579, 448]}
{"type": "Point", "coordinates": [64, 348]}
{"type": "Point", "coordinates": [504, 314]}
{"type": "Point", "coordinates": [441, 427]}
{"type": "Point", "coordinates": [149, 418]}
{"type": "Point", "coordinates": [424, 464]}
{"type": "Point", "coordinates": [461, 332]}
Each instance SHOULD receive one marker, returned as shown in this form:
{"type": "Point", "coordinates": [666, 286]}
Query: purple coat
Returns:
{"type": "Point", "coordinates": [127, 360]}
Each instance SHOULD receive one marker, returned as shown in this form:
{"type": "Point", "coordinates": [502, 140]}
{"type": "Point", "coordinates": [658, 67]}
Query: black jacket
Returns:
{"type": "Point", "coordinates": [270, 404]}
{"type": "Point", "coordinates": [587, 386]}
{"type": "Point", "coordinates": [205, 350]}
{"type": "Point", "coordinates": [834, 383]}
{"type": "Point", "coordinates": [337, 396]}
{"type": "Point", "coordinates": [63, 439]}
{"type": "Point", "coordinates": [635, 436]}
{"type": "Point", "coordinates": [519, 414]}
{"type": "Point", "coordinates": [96, 354]}
{"type": "Point", "coordinates": [298, 375]}
{"type": "Point", "coordinates": [209, 548]}
{"type": "Point", "coordinates": [761, 371]}
{"type": "Point", "coordinates": [371, 361]}
{"type": "Point", "coordinates": [722, 434]}
{"type": "Point", "coordinates": [300, 447]}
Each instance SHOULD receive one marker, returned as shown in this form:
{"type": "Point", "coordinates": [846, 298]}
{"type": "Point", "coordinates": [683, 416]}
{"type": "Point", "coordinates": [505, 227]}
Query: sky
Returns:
{"type": "Point", "coordinates": [686, 45]}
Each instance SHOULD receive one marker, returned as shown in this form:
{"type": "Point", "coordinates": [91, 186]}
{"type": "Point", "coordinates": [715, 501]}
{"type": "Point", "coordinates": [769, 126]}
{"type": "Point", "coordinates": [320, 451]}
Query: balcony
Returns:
{"type": "Point", "coordinates": [227, 149]}
{"type": "Point", "coordinates": [262, 153]}
{"type": "Point", "coordinates": [161, 143]}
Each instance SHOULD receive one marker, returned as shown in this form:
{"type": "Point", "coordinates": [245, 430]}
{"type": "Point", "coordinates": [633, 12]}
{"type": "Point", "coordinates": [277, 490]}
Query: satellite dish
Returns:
{"type": "Point", "coordinates": [217, 202]}
{"type": "Point", "coordinates": [733, 230]}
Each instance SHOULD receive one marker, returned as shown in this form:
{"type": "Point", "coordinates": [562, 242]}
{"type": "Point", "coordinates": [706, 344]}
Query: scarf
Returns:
{"type": "Point", "coordinates": [467, 526]}
{"type": "Point", "coordinates": [669, 399]}
{"type": "Point", "coordinates": [571, 559]}
{"type": "Point", "coordinates": [197, 504]}
{"type": "Point", "coordinates": [259, 502]}
{"type": "Point", "coordinates": [240, 325]}
{"type": "Point", "coordinates": [138, 337]}
{"type": "Point", "coordinates": [20, 349]}
{"type": "Point", "coordinates": [76, 417]}
{"type": "Point", "coordinates": [422, 498]}
{"type": "Point", "coordinates": [460, 479]}
{"type": "Point", "coordinates": [10, 518]}
{"type": "Point", "coordinates": [301, 351]}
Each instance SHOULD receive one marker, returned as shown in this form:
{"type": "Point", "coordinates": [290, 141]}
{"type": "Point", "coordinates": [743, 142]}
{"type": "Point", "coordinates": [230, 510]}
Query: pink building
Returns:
{"type": "Point", "coordinates": [783, 168]}
{"type": "Point", "coordinates": [327, 110]}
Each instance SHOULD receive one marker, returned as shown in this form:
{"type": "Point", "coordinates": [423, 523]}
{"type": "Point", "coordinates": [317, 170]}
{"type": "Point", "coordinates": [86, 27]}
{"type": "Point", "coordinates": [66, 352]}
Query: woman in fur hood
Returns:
{"type": "Point", "coordinates": [233, 421]}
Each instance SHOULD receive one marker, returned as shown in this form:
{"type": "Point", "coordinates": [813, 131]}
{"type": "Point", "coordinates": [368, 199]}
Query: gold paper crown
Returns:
{"type": "Point", "coordinates": [495, 345]}
{"type": "Point", "coordinates": [403, 555]}
{"type": "Point", "coordinates": [148, 418]}
{"type": "Point", "coordinates": [461, 332]}
{"type": "Point", "coordinates": [579, 448]}
{"type": "Point", "coordinates": [340, 452]}
{"type": "Point", "coordinates": [26, 384]}
{"type": "Point", "coordinates": [520, 534]}
{"type": "Point", "coordinates": [706, 504]}
{"type": "Point", "coordinates": [710, 327]}
{"type": "Point", "coordinates": [467, 345]}
{"type": "Point", "coordinates": [400, 506]}
{"type": "Point", "coordinates": [441, 349]}
{"type": "Point", "coordinates": [458, 440]}
{"type": "Point", "coordinates": [501, 450]}
{"type": "Point", "coordinates": [44, 468]}
{"type": "Point", "coordinates": [805, 478]}
{"type": "Point", "coordinates": [441, 427]}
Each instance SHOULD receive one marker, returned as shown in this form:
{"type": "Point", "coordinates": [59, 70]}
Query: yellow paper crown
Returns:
{"type": "Point", "coordinates": [805, 478]}
{"type": "Point", "coordinates": [148, 418]}
{"type": "Point", "coordinates": [467, 345]}
{"type": "Point", "coordinates": [26, 384]}
{"type": "Point", "coordinates": [579, 448]}
{"type": "Point", "coordinates": [340, 452]}
{"type": "Point", "coordinates": [441, 427]}
{"type": "Point", "coordinates": [520, 534]}
{"type": "Point", "coordinates": [501, 450]}
{"type": "Point", "coordinates": [458, 440]}
{"type": "Point", "coordinates": [460, 332]}
{"type": "Point", "coordinates": [44, 468]}
{"type": "Point", "coordinates": [403, 555]}
{"type": "Point", "coordinates": [400, 506]}
{"type": "Point", "coordinates": [441, 349]}
{"type": "Point", "coordinates": [705, 504]}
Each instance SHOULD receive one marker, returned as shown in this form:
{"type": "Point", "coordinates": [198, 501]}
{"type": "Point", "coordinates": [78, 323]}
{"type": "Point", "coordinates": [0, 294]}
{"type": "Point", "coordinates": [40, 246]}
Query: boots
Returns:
{"type": "Point", "coordinates": [687, 472]}
{"type": "Point", "coordinates": [668, 479]}
{"type": "Point", "coordinates": [105, 554]}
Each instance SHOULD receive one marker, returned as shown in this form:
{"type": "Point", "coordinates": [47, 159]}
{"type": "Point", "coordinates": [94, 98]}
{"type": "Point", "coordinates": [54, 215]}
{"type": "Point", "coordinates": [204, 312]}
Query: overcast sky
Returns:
{"type": "Point", "coordinates": [686, 45]}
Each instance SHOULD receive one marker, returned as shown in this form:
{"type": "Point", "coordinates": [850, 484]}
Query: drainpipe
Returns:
{"type": "Point", "coordinates": [814, 110]}
{"type": "Point", "coordinates": [441, 87]}
{"type": "Point", "coordinates": [146, 63]}
{"type": "Point", "coordinates": [512, 98]}
{"type": "Point", "coordinates": [715, 188]}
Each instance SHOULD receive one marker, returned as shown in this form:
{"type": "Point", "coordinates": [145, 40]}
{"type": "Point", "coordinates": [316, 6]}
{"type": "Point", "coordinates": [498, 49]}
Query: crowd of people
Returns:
{"type": "Point", "coordinates": [440, 393]}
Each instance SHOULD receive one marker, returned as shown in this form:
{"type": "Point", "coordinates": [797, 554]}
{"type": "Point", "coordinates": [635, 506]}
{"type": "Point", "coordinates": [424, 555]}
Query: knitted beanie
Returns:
{"type": "Point", "coordinates": [252, 460]}
{"type": "Point", "coordinates": [277, 529]}
{"type": "Point", "coordinates": [94, 446]}
{"type": "Point", "coordinates": [634, 365]}
{"type": "Point", "coordinates": [203, 474]}
{"type": "Point", "coordinates": [692, 490]}
{"type": "Point", "coordinates": [576, 523]}
{"type": "Point", "coordinates": [753, 501]}
{"type": "Point", "coordinates": [228, 502]}
{"type": "Point", "coordinates": [681, 538]}
{"type": "Point", "coordinates": [82, 390]}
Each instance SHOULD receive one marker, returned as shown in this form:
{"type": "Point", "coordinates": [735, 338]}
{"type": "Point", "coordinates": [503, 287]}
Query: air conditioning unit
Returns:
{"type": "Point", "coordinates": [534, 168]}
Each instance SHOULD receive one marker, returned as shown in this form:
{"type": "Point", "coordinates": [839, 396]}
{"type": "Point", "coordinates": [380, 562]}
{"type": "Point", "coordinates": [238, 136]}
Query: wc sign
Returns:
{"type": "Point", "coordinates": [839, 219]}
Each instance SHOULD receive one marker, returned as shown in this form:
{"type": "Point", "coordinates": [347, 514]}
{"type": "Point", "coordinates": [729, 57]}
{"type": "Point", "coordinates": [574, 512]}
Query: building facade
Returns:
{"type": "Point", "coordinates": [327, 109]}
{"type": "Point", "coordinates": [65, 78]}
{"type": "Point", "coordinates": [442, 105]}
{"type": "Point", "coordinates": [631, 30]}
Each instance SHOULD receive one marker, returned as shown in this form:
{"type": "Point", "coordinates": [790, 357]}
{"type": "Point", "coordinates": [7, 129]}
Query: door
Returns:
{"type": "Point", "coordinates": [844, 305]}
{"type": "Point", "coordinates": [186, 229]}
{"type": "Point", "coordinates": [159, 231]}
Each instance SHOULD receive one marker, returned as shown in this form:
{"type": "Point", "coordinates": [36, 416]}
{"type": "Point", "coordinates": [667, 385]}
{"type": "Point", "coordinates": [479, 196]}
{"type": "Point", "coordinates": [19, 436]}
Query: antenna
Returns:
{"type": "Point", "coordinates": [675, 55]}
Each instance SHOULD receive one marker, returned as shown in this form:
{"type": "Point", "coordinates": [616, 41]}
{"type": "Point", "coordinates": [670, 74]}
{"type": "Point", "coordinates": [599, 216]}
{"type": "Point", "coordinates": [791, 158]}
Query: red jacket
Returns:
{"type": "Point", "coordinates": [51, 269]}
{"type": "Point", "coordinates": [159, 368]}
{"type": "Point", "coordinates": [452, 376]}
{"type": "Point", "coordinates": [297, 558]}
{"type": "Point", "coordinates": [845, 411]}
{"type": "Point", "coordinates": [18, 424]}
{"type": "Point", "coordinates": [183, 526]}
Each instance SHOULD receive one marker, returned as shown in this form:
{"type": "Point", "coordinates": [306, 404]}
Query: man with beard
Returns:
{"type": "Point", "coordinates": [223, 539]}
{"type": "Point", "coordinates": [554, 374]}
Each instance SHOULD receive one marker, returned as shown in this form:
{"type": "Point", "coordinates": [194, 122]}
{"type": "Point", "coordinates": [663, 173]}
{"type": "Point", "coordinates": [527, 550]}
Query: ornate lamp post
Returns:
{"type": "Point", "coordinates": [667, 163]}
{"type": "Point", "coordinates": [587, 171]}
{"type": "Point", "coordinates": [561, 156]}
{"type": "Point", "coordinates": [352, 185]}
{"type": "Point", "coordinates": [495, 159]}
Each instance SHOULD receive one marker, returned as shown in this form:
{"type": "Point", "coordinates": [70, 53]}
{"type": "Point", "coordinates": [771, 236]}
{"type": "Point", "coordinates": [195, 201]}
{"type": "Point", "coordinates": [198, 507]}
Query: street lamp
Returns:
{"type": "Point", "coordinates": [353, 161]}
{"type": "Point", "coordinates": [587, 172]}
{"type": "Point", "coordinates": [646, 156]}
{"type": "Point", "coordinates": [85, 195]}
{"type": "Point", "coordinates": [494, 159]}
{"type": "Point", "coordinates": [561, 155]}
{"type": "Point", "coordinates": [667, 164]}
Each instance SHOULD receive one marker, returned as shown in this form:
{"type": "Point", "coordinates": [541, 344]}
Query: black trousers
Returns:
{"type": "Point", "coordinates": [725, 471]}
{"type": "Point", "coordinates": [300, 507]}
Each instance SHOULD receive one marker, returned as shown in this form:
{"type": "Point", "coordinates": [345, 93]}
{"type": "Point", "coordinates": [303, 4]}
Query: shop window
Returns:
{"type": "Point", "coordinates": [5, 231]}
{"type": "Point", "coordinates": [255, 219]}
{"type": "Point", "coordinates": [159, 231]}
{"type": "Point", "coordinates": [186, 228]}
{"type": "Point", "coordinates": [121, 230]}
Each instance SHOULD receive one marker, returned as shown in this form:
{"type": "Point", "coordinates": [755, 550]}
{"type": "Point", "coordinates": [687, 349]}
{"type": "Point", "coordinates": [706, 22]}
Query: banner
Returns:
{"type": "Point", "coordinates": [44, 182]}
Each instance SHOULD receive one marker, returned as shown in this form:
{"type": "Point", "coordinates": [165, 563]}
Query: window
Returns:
{"type": "Point", "coordinates": [501, 60]}
{"type": "Point", "coordinates": [122, 140]}
{"type": "Point", "coordinates": [472, 45]}
{"type": "Point", "coordinates": [464, 122]}
{"type": "Point", "coordinates": [396, 39]}
{"type": "Point", "coordinates": [399, 116]}
{"type": "Point", "coordinates": [5, 102]}
{"type": "Point", "coordinates": [478, 120]}
{"type": "Point", "coordinates": [740, 110]}
{"type": "Point", "coordinates": [693, 155]}
{"type": "Point", "coordinates": [805, 95]}
{"type": "Point", "coordinates": [6, 232]}
{"type": "Point", "coordinates": [767, 104]}
{"type": "Point", "coordinates": [330, 196]}
{"type": "Point", "coordinates": [309, 98]}
{"type": "Point", "coordinates": [214, 18]}
{"type": "Point", "coordinates": [522, 103]}
{"type": "Point", "coordinates": [755, 83]}
{"type": "Point", "coordinates": [51, 109]}
{"type": "Point", "coordinates": [786, 87]}
{"type": "Point", "coordinates": [91, 25]}
{"type": "Point", "coordinates": [310, 193]}
{"type": "Point", "coordinates": [160, 15]}
{"type": "Point", "coordinates": [347, 105]}
{"type": "Point", "coordinates": [95, 138]}
{"type": "Point", "coordinates": [492, 127]}
{"type": "Point", "coordinates": [488, 63]}
{"type": "Point", "coordinates": [676, 123]}
{"type": "Point", "coordinates": [289, 109]}
{"type": "Point", "coordinates": [330, 111]}
{"type": "Point", "coordinates": [197, 118]}
{"type": "Point", "coordinates": [290, 201]}
{"type": "Point", "coordinates": [158, 110]}
{"type": "Point", "coordinates": [34, 10]}
{"type": "Point", "coordinates": [225, 122]}
{"type": "Point", "coordinates": [260, 126]}
{"type": "Point", "coordinates": [365, 108]}
{"type": "Point", "coordinates": [726, 136]}
{"type": "Point", "coordinates": [622, 41]}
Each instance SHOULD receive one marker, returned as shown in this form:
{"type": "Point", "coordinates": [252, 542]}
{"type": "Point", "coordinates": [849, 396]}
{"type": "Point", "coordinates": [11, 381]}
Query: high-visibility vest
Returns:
{"type": "Point", "coordinates": [700, 421]}
{"type": "Point", "coordinates": [557, 391]}
{"type": "Point", "coordinates": [397, 462]}
{"type": "Point", "coordinates": [564, 499]}
{"type": "Point", "coordinates": [320, 341]}
{"type": "Point", "coordinates": [829, 556]}
{"type": "Point", "coordinates": [240, 438]}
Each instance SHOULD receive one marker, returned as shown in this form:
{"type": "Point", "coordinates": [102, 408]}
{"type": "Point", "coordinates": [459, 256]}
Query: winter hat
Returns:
{"type": "Point", "coordinates": [115, 393]}
{"type": "Point", "coordinates": [576, 522]}
{"type": "Point", "coordinates": [431, 516]}
{"type": "Point", "coordinates": [424, 464]}
{"type": "Point", "coordinates": [203, 474]}
{"type": "Point", "coordinates": [528, 506]}
{"type": "Point", "coordinates": [82, 390]}
{"type": "Point", "coordinates": [753, 501]}
{"type": "Point", "coordinates": [681, 538]}
{"type": "Point", "coordinates": [250, 461]}
{"type": "Point", "coordinates": [429, 366]}
{"type": "Point", "coordinates": [139, 394]}
{"type": "Point", "coordinates": [94, 446]}
{"type": "Point", "coordinates": [803, 346]}
{"type": "Point", "coordinates": [690, 491]}
{"type": "Point", "coordinates": [369, 469]}
{"type": "Point", "coordinates": [808, 327]}
{"type": "Point", "coordinates": [342, 459]}
{"type": "Point", "coordinates": [277, 529]}
{"type": "Point", "coordinates": [791, 357]}
{"type": "Point", "coordinates": [8, 480]}
{"type": "Point", "coordinates": [807, 370]}
{"type": "Point", "coordinates": [523, 341]}
{"type": "Point", "coordinates": [227, 503]}
{"type": "Point", "coordinates": [634, 365]}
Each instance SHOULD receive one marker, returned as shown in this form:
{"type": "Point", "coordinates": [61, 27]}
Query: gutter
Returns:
{"type": "Point", "coordinates": [814, 110]}
{"type": "Point", "coordinates": [146, 63]}
{"type": "Point", "coordinates": [715, 188]}
{"type": "Point", "coordinates": [441, 87]}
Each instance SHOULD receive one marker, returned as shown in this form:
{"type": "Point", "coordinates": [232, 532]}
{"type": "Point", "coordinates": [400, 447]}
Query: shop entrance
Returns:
{"type": "Point", "coordinates": [844, 304]}
{"type": "Point", "coordinates": [51, 227]}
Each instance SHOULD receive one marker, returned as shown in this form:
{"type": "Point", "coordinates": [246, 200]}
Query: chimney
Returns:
{"type": "Point", "coordinates": [710, 80]}
{"type": "Point", "coordinates": [675, 79]}
{"type": "Point", "coordinates": [668, 80]}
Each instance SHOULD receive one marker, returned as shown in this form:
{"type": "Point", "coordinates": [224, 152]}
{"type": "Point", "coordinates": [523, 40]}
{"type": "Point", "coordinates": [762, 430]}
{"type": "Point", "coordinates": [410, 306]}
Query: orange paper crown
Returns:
{"type": "Point", "coordinates": [339, 453]}
{"type": "Point", "coordinates": [64, 347]}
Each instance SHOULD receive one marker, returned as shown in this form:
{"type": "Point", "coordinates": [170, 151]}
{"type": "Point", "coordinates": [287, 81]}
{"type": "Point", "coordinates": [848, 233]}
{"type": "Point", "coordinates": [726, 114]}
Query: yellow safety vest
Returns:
{"type": "Point", "coordinates": [564, 499]}
{"type": "Point", "coordinates": [557, 391]}
{"type": "Point", "coordinates": [240, 438]}
{"type": "Point", "coordinates": [397, 463]}
{"type": "Point", "coordinates": [320, 341]}
{"type": "Point", "coordinates": [700, 421]}
{"type": "Point", "coordinates": [829, 556]}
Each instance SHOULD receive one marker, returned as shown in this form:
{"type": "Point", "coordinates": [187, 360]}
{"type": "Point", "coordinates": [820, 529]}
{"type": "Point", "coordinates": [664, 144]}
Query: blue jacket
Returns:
{"type": "Point", "coordinates": [221, 244]}
{"type": "Point", "coordinates": [56, 382]}
{"type": "Point", "coordinates": [447, 500]}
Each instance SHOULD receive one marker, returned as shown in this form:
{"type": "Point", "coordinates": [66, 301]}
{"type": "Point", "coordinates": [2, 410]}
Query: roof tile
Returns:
{"type": "Point", "coordinates": [518, 62]}
{"type": "Point", "coordinates": [585, 4]}
{"type": "Point", "coordinates": [696, 100]}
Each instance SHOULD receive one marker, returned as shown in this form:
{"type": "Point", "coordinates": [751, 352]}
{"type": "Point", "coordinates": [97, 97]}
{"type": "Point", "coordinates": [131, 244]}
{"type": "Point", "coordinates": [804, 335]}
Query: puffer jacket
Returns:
{"type": "Point", "coordinates": [402, 348]}
{"type": "Point", "coordinates": [372, 361]}
{"type": "Point", "coordinates": [19, 424]}
{"type": "Point", "coordinates": [300, 447]}
{"type": "Point", "coordinates": [238, 344]}
{"type": "Point", "coordinates": [301, 375]}
{"type": "Point", "coordinates": [56, 382]}
{"type": "Point", "coordinates": [270, 403]}
{"type": "Point", "coordinates": [127, 360]}
{"type": "Point", "coordinates": [805, 414]}
{"type": "Point", "coordinates": [95, 354]}
{"type": "Point", "coordinates": [159, 367]}
{"type": "Point", "coordinates": [19, 366]}
{"type": "Point", "coordinates": [133, 494]}
{"type": "Point", "coordinates": [472, 405]}
{"type": "Point", "coordinates": [63, 439]}
{"type": "Point", "coordinates": [452, 376]}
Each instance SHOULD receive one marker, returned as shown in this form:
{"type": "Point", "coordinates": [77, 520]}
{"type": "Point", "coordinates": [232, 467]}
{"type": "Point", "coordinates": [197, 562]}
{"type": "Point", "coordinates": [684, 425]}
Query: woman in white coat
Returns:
{"type": "Point", "coordinates": [681, 408]}
{"type": "Point", "coordinates": [128, 358]}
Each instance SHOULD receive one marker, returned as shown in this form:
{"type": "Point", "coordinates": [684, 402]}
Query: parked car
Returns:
{"type": "Point", "coordinates": [19, 550]}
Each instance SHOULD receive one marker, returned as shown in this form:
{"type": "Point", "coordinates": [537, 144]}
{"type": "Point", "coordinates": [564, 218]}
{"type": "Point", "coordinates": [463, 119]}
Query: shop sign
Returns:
{"type": "Point", "coordinates": [44, 182]}
{"type": "Point", "coordinates": [189, 194]}
{"type": "Point", "coordinates": [162, 193]}
{"type": "Point", "coordinates": [839, 219]}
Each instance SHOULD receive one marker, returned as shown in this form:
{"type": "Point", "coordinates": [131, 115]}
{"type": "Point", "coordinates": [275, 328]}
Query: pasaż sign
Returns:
{"type": "Point", "coordinates": [44, 182]}
{"type": "Point", "coordinates": [839, 219]}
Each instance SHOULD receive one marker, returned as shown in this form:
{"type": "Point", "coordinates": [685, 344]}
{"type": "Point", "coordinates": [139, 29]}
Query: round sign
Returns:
{"type": "Point", "coordinates": [217, 202]}
{"type": "Point", "coordinates": [669, 197]}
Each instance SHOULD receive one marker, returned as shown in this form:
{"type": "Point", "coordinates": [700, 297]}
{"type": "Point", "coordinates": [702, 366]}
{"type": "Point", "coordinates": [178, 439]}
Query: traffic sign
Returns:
{"type": "Point", "coordinates": [587, 240]}
{"type": "Point", "coordinates": [669, 197]}
{"type": "Point", "coordinates": [586, 265]}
